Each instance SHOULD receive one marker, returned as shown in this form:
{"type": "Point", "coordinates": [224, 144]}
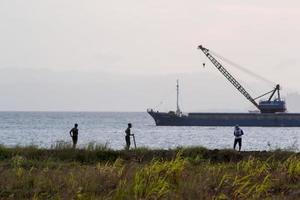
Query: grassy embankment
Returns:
{"type": "Point", "coordinates": [97, 172]}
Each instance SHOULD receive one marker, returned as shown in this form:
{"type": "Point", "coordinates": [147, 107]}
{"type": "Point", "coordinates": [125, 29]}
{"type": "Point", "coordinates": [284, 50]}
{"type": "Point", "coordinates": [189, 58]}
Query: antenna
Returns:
{"type": "Point", "coordinates": [178, 112]}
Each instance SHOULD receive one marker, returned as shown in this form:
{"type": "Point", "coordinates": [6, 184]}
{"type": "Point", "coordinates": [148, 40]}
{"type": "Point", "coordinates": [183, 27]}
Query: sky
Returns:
{"type": "Point", "coordinates": [95, 55]}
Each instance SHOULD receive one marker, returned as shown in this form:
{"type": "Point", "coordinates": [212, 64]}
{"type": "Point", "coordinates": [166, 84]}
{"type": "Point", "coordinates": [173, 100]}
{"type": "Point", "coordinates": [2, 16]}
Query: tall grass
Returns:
{"type": "Point", "coordinates": [154, 180]}
{"type": "Point", "coordinates": [97, 172]}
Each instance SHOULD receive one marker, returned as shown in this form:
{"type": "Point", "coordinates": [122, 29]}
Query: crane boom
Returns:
{"type": "Point", "coordinates": [229, 77]}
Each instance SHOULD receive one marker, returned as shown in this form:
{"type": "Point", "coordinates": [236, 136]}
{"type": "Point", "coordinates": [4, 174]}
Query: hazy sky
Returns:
{"type": "Point", "coordinates": [126, 55]}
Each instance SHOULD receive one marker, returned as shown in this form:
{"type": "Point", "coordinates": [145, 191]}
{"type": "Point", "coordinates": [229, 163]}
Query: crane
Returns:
{"type": "Point", "coordinates": [264, 106]}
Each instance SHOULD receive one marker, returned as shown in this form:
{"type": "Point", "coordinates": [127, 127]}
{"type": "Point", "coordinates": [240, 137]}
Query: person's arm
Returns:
{"type": "Point", "coordinates": [242, 132]}
{"type": "Point", "coordinates": [71, 132]}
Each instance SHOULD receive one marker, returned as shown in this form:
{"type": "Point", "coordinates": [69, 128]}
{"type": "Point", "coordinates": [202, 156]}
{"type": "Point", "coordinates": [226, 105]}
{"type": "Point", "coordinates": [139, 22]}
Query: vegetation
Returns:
{"type": "Point", "coordinates": [97, 172]}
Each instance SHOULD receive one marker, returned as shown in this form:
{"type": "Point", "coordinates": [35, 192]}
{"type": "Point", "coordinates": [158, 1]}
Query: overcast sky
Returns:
{"type": "Point", "coordinates": [97, 55]}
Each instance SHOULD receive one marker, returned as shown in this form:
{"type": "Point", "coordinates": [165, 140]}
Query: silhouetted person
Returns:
{"type": "Point", "coordinates": [74, 135]}
{"type": "Point", "coordinates": [238, 132]}
{"type": "Point", "coordinates": [127, 136]}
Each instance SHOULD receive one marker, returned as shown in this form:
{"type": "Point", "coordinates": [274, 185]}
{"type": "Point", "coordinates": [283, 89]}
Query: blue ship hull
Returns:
{"type": "Point", "coordinates": [227, 119]}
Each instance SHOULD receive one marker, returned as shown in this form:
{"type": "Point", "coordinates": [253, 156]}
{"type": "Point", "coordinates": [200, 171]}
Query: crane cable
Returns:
{"type": "Point", "coordinates": [242, 68]}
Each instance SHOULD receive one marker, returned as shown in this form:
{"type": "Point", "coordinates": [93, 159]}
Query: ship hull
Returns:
{"type": "Point", "coordinates": [227, 119]}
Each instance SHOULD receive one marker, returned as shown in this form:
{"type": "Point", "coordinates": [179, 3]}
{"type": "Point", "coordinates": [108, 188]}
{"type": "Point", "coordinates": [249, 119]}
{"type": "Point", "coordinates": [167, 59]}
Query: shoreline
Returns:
{"type": "Point", "coordinates": [101, 153]}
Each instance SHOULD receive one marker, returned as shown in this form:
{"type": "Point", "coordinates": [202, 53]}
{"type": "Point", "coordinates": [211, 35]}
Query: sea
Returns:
{"type": "Point", "coordinates": [45, 129]}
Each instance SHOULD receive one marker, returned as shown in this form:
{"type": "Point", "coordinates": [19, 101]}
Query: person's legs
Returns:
{"type": "Point", "coordinates": [127, 138]}
{"type": "Point", "coordinates": [74, 141]}
{"type": "Point", "coordinates": [240, 144]}
{"type": "Point", "coordinates": [234, 144]}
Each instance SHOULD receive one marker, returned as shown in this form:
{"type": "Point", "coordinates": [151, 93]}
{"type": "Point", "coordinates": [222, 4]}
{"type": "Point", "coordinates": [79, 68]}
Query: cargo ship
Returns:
{"type": "Point", "coordinates": [270, 113]}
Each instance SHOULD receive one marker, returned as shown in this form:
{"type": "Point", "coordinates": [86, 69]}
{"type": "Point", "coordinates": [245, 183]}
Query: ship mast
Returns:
{"type": "Point", "coordinates": [178, 112]}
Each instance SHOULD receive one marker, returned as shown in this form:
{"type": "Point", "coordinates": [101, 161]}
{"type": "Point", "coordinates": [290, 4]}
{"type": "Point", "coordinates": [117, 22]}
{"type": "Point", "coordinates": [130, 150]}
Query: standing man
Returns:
{"type": "Point", "coordinates": [238, 132]}
{"type": "Point", "coordinates": [127, 136]}
{"type": "Point", "coordinates": [74, 135]}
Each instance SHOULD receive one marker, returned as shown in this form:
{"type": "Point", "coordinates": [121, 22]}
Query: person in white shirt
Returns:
{"type": "Point", "coordinates": [238, 132]}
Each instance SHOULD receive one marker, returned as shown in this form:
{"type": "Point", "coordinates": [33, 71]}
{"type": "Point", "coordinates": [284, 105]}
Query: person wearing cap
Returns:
{"type": "Point", "coordinates": [127, 136]}
{"type": "Point", "coordinates": [74, 135]}
{"type": "Point", "coordinates": [238, 132]}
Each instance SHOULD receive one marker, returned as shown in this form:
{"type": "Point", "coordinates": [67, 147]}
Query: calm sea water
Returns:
{"type": "Point", "coordinates": [45, 128]}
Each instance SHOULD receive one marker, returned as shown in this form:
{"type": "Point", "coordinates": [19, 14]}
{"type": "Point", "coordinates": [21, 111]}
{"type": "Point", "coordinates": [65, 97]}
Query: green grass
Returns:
{"type": "Point", "coordinates": [97, 172]}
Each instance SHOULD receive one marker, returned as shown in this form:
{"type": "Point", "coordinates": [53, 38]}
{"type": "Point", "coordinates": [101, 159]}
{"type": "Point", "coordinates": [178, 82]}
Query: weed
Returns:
{"type": "Point", "coordinates": [97, 172]}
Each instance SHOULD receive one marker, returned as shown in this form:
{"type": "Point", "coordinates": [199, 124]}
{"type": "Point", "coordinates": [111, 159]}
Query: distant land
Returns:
{"type": "Point", "coordinates": [50, 90]}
